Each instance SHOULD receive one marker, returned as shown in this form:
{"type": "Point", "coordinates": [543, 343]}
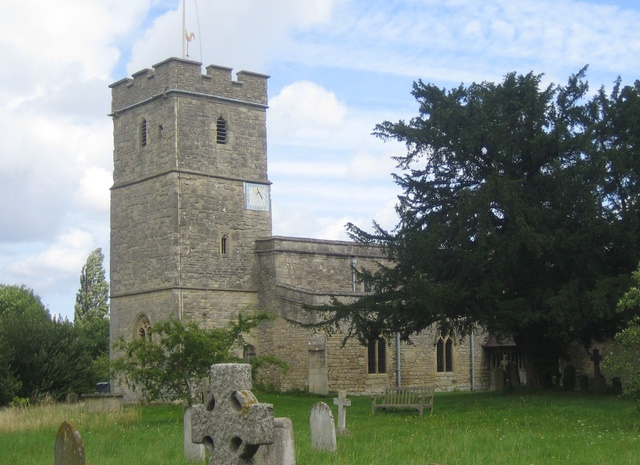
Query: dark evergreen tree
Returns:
{"type": "Point", "coordinates": [519, 213]}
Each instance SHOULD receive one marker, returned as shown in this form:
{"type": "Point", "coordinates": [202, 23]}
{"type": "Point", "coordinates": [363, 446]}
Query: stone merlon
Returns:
{"type": "Point", "coordinates": [176, 75]}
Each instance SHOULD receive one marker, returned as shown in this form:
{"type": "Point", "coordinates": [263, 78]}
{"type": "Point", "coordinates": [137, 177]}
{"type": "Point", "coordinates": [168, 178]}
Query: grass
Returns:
{"type": "Point", "coordinates": [466, 428]}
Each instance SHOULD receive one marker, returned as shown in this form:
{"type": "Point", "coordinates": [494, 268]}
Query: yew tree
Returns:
{"type": "Point", "coordinates": [519, 213]}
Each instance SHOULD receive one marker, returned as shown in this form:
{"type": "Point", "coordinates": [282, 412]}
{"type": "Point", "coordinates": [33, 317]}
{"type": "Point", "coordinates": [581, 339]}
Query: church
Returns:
{"type": "Point", "coordinates": [191, 239]}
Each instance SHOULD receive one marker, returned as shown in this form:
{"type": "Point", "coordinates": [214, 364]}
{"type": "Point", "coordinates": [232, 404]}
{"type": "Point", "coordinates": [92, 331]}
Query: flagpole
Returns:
{"type": "Point", "coordinates": [182, 33]}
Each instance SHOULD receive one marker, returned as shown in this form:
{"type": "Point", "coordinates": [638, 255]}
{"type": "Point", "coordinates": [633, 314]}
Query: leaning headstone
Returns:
{"type": "Point", "coordinates": [231, 423]}
{"type": "Point", "coordinates": [192, 452]}
{"type": "Point", "coordinates": [323, 428]}
{"type": "Point", "coordinates": [342, 402]}
{"type": "Point", "coordinates": [282, 451]}
{"type": "Point", "coordinates": [69, 449]}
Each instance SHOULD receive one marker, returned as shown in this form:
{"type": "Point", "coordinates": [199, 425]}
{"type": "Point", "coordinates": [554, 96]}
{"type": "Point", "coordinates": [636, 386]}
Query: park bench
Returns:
{"type": "Point", "coordinates": [407, 397]}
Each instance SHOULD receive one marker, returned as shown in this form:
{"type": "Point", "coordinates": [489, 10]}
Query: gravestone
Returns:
{"type": "Point", "coordinates": [69, 449]}
{"type": "Point", "coordinates": [231, 423]}
{"type": "Point", "coordinates": [599, 383]}
{"type": "Point", "coordinates": [323, 428]}
{"type": "Point", "coordinates": [569, 378]}
{"type": "Point", "coordinates": [498, 376]}
{"type": "Point", "coordinates": [192, 452]}
{"type": "Point", "coordinates": [342, 402]}
{"type": "Point", "coordinates": [282, 451]}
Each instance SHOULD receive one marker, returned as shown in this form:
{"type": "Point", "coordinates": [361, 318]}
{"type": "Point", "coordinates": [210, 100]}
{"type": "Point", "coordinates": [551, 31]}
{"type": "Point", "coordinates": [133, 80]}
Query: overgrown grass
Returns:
{"type": "Point", "coordinates": [465, 428]}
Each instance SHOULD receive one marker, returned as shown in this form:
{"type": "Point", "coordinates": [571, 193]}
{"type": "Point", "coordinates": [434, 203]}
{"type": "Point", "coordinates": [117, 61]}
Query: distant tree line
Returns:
{"type": "Point", "coordinates": [42, 355]}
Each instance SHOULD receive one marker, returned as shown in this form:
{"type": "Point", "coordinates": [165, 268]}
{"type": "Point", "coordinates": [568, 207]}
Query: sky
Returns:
{"type": "Point", "coordinates": [337, 67]}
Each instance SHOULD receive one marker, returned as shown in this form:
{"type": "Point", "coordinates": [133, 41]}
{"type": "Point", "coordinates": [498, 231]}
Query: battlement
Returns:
{"type": "Point", "coordinates": [176, 75]}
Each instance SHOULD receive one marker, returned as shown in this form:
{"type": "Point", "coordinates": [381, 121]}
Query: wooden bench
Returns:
{"type": "Point", "coordinates": [408, 397]}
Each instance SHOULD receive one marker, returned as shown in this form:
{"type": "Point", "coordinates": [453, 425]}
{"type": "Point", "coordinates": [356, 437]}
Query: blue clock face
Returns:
{"type": "Point", "coordinates": [257, 196]}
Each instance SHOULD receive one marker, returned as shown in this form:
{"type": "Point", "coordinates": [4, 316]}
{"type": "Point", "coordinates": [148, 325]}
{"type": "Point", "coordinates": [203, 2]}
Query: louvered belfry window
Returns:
{"type": "Point", "coordinates": [221, 131]}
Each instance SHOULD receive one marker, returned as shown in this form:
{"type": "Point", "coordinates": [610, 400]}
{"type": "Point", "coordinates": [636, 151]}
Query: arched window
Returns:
{"type": "Point", "coordinates": [143, 327]}
{"type": "Point", "coordinates": [143, 132]}
{"type": "Point", "coordinates": [223, 244]}
{"type": "Point", "coordinates": [444, 353]}
{"type": "Point", "coordinates": [221, 131]}
{"type": "Point", "coordinates": [377, 356]}
{"type": "Point", "coordinates": [248, 353]}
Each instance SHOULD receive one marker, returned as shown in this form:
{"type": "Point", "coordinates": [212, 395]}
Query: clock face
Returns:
{"type": "Point", "coordinates": [257, 196]}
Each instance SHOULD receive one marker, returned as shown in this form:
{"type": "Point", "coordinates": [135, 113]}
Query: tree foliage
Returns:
{"type": "Point", "coordinates": [173, 361]}
{"type": "Point", "coordinates": [39, 355]}
{"type": "Point", "coordinates": [519, 212]}
{"type": "Point", "coordinates": [93, 295]}
{"type": "Point", "coordinates": [91, 311]}
{"type": "Point", "coordinates": [623, 359]}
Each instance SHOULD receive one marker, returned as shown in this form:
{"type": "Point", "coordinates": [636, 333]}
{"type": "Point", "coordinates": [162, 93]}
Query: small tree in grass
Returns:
{"type": "Point", "coordinates": [177, 356]}
{"type": "Point", "coordinates": [624, 358]}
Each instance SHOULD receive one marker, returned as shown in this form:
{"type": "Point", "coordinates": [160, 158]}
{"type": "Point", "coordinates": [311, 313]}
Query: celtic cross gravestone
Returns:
{"type": "Point", "coordinates": [231, 423]}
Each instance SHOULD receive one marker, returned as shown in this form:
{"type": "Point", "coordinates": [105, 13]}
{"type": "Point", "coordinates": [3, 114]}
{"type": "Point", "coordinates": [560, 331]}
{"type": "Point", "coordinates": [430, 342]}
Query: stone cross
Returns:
{"type": "Point", "coordinates": [69, 449]}
{"type": "Point", "coordinates": [231, 423]}
{"type": "Point", "coordinates": [596, 358]}
{"type": "Point", "coordinates": [342, 402]}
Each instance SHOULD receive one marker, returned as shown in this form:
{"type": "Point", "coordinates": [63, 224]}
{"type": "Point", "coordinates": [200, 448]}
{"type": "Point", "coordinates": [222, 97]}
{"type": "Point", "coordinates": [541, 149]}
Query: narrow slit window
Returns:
{"type": "Point", "coordinates": [221, 131]}
{"type": "Point", "coordinates": [223, 244]}
{"type": "Point", "coordinates": [143, 133]}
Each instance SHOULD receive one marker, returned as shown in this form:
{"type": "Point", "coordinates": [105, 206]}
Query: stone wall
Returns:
{"type": "Point", "coordinates": [304, 272]}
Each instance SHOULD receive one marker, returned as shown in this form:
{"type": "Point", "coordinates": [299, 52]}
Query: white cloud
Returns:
{"type": "Point", "coordinates": [241, 34]}
{"type": "Point", "coordinates": [94, 190]}
{"type": "Point", "coordinates": [66, 255]}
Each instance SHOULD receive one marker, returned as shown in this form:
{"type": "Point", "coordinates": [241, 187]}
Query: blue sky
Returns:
{"type": "Point", "coordinates": [337, 68]}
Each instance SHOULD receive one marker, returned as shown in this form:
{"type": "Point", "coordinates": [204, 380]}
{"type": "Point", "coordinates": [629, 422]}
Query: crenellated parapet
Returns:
{"type": "Point", "coordinates": [176, 75]}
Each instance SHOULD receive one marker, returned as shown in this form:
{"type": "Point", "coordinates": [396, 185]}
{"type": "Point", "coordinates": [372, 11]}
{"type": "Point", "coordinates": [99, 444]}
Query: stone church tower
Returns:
{"type": "Point", "coordinates": [190, 195]}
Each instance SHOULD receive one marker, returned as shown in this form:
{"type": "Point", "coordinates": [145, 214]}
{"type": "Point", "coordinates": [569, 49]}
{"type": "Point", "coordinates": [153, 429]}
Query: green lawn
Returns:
{"type": "Point", "coordinates": [465, 428]}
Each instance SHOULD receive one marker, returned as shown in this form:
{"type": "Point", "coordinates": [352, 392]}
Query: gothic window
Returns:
{"type": "Point", "coordinates": [377, 356]}
{"type": "Point", "coordinates": [249, 353]}
{"type": "Point", "coordinates": [223, 244]}
{"type": "Point", "coordinates": [143, 328]}
{"type": "Point", "coordinates": [143, 132]}
{"type": "Point", "coordinates": [221, 131]}
{"type": "Point", "coordinates": [444, 353]}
